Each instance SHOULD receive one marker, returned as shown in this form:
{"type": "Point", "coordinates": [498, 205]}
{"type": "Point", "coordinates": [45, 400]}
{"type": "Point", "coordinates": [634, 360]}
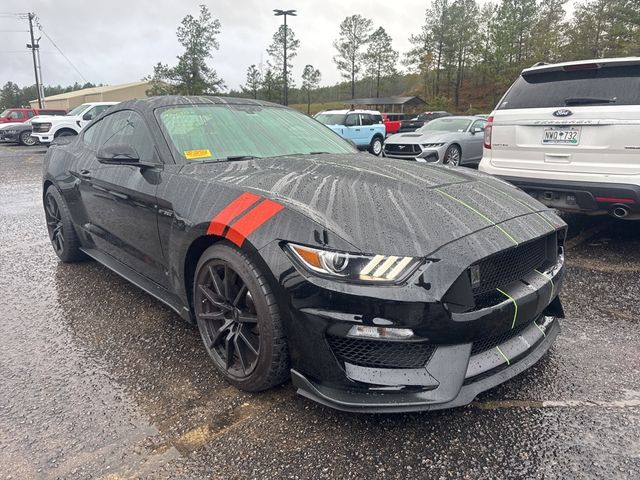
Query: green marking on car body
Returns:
{"type": "Point", "coordinates": [540, 328]}
{"type": "Point", "coordinates": [515, 313]}
{"type": "Point", "coordinates": [520, 202]}
{"type": "Point", "coordinates": [503, 355]}
{"type": "Point", "coordinates": [480, 214]}
{"type": "Point", "coordinates": [553, 287]}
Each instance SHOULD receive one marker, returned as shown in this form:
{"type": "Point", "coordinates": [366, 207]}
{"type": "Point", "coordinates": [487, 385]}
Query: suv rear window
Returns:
{"type": "Point", "coordinates": [602, 86]}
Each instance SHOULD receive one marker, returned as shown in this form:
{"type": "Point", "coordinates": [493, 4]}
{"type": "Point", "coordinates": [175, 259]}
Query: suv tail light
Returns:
{"type": "Point", "coordinates": [487, 133]}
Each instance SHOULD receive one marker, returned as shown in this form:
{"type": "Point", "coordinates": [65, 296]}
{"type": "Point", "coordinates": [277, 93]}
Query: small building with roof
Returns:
{"type": "Point", "coordinates": [394, 104]}
{"type": "Point", "coordinates": [107, 93]}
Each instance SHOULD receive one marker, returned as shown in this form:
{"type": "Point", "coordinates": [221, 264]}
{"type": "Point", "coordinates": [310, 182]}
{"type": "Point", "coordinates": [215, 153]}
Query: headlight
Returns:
{"type": "Point", "coordinates": [354, 267]}
{"type": "Point", "coordinates": [432, 145]}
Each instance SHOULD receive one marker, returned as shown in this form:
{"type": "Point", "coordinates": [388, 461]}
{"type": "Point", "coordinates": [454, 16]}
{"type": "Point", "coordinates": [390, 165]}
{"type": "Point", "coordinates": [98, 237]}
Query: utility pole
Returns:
{"type": "Point", "coordinates": [278, 13]}
{"type": "Point", "coordinates": [33, 46]}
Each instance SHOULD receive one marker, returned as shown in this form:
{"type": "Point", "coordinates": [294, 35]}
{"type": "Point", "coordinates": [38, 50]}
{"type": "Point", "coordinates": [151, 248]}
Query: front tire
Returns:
{"type": "Point", "coordinates": [26, 139]}
{"type": "Point", "coordinates": [239, 319]}
{"type": "Point", "coordinates": [452, 156]}
{"type": "Point", "coordinates": [375, 147]}
{"type": "Point", "coordinates": [62, 233]}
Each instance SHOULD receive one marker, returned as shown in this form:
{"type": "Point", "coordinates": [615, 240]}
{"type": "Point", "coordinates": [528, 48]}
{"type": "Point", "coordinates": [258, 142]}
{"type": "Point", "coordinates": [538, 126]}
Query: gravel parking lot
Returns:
{"type": "Point", "coordinates": [100, 380]}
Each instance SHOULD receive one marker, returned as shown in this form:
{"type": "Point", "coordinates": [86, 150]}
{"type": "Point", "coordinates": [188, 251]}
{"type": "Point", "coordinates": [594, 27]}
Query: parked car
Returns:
{"type": "Point", "coordinates": [449, 140]}
{"type": "Point", "coordinates": [365, 128]}
{"type": "Point", "coordinates": [45, 129]}
{"type": "Point", "coordinates": [18, 133]}
{"type": "Point", "coordinates": [375, 285]}
{"type": "Point", "coordinates": [392, 122]}
{"type": "Point", "coordinates": [416, 122]}
{"type": "Point", "coordinates": [19, 115]}
{"type": "Point", "coordinates": [569, 135]}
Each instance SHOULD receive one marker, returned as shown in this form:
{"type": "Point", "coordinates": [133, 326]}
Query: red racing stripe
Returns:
{"type": "Point", "coordinates": [240, 230]}
{"type": "Point", "coordinates": [231, 211]}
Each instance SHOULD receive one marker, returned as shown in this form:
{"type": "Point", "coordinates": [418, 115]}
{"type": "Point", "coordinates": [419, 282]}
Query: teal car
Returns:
{"type": "Point", "coordinates": [365, 128]}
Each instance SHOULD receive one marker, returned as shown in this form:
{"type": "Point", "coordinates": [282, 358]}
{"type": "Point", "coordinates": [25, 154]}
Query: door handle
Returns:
{"type": "Point", "coordinates": [85, 174]}
{"type": "Point", "coordinates": [357, 129]}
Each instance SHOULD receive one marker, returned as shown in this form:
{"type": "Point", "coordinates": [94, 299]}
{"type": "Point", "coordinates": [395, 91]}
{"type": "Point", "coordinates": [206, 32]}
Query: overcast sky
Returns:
{"type": "Point", "coordinates": [119, 41]}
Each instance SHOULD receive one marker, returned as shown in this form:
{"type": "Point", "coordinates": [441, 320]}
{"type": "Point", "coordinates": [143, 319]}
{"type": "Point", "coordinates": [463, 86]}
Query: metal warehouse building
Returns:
{"type": "Point", "coordinates": [389, 104]}
{"type": "Point", "coordinates": [109, 93]}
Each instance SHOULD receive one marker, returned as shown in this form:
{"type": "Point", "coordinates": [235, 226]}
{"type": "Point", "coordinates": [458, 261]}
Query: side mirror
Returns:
{"type": "Point", "coordinates": [121, 154]}
{"type": "Point", "coordinates": [88, 116]}
{"type": "Point", "coordinates": [475, 130]}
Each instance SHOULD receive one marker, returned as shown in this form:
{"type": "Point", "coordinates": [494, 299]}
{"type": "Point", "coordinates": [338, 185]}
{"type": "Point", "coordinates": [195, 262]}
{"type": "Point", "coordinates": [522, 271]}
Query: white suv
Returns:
{"type": "Point", "coordinates": [569, 135]}
{"type": "Point", "coordinates": [46, 128]}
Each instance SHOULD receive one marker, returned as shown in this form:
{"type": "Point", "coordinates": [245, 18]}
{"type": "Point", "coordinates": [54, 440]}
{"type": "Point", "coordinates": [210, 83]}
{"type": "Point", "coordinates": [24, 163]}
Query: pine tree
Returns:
{"type": "Point", "coordinates": [380, 58]}
{"type": "Point", "coordinates": [354, 35]}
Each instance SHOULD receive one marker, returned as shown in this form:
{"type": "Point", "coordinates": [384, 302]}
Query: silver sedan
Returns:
{"type": "Point", "coordinates": [449, 140]}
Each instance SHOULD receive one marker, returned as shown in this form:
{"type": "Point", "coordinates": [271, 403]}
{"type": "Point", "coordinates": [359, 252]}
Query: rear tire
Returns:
{"type": "Point", "coordinates": [239, 319]}
{"type": "Point", "coordinates": [375, 147]}
{"type": "Point", "coordinates": [26, 139]}
{"type": "Point", "coordinates": [62, 233]}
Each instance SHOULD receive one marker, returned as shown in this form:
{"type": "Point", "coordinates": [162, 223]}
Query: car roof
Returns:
{"type": "Point", "coordinates": [355, 110]}
{"type": "Point", "coordinates": [171, 100]}
{"type": "Point", "coordinates": [466, 117]}
{"type": "Point", "coordinates": [601, 62]}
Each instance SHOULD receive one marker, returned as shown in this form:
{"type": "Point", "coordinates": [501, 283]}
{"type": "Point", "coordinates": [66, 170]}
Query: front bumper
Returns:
{"type": "Point", "coordinates": [9, 137]}
{"type": "Point", "coordinates": [415, 152]}
{"type": "Point", "coordinates": [452, 378]}
{"type": "Point", "coordinates": [462, 342]}
{"type": "Point", "coordinates": [42, 137]}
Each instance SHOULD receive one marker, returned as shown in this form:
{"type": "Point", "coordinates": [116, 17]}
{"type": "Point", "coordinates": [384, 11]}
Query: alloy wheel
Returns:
{"type": "Point", "coordinates": [452, 156]}
{"type": "Point", "coordinates": [27, 139]}
{"type": "Point", "coordinates": [54, 224]}
{"type": "Point", "coordinates": [228, 319]}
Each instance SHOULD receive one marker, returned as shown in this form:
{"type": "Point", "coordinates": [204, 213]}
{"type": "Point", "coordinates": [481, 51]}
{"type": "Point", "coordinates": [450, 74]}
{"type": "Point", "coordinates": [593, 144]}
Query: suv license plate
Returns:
{"type": "Point", "coordinates": [561, 136]}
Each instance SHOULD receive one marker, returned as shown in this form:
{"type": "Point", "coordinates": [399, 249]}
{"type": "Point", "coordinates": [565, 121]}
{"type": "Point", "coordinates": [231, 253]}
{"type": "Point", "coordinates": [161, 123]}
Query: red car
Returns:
{"type": "Point", "coordinates": [19, 115]}
{"type": "Point", "coordinates": [392, 121]}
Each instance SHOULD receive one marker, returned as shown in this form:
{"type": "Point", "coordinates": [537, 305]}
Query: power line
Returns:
{"type": "Point", "coordinates": [21, 16]}
{"type": "Point", "coordinates": [61, 52]}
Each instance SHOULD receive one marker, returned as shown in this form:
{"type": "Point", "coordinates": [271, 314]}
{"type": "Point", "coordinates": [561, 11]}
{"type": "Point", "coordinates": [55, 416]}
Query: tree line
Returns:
{"type": "Point", "coordinates": [12, 95]}
{"type": "Point", "coordinates": [464, 52]}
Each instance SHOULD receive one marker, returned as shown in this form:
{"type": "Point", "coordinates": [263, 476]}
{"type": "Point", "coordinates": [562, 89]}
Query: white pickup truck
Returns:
{"type": "Point", "coordinates": [48, 127]}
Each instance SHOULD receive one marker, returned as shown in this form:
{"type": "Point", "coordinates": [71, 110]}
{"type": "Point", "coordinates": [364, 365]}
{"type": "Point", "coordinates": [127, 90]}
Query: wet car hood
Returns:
{"type": "Point", "coordinates": [378, 205]}
{"type": "Point", "coordinates": [427, 137]}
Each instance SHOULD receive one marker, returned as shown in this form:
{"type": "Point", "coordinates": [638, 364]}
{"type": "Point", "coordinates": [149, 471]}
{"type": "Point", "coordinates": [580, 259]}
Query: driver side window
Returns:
{"type": "Point", "coordinates": [125, 127]}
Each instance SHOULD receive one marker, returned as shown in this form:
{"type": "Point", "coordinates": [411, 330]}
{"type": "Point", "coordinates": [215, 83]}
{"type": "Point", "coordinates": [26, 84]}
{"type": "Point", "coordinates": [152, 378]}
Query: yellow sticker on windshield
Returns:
{"type": "Point", "coordinates": [195, 154]}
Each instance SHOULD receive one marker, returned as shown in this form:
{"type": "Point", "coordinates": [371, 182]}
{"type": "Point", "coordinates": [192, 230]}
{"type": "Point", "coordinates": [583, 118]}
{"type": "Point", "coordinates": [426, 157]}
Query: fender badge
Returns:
{"type": "Point", "coordinates": [563, 112]}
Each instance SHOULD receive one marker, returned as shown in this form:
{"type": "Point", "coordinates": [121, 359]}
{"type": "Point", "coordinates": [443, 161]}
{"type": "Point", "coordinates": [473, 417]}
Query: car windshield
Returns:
{"type": "Point", "coordinates": [613, 86]}
{"type": "Point", "coordinates": [77, 111]}
{"type": "Point", "coordinates": [226, 132]}
{"type": "Point", "coordinates": [331, 118]}
{"type": "Point", "coordinates": [446, 124]}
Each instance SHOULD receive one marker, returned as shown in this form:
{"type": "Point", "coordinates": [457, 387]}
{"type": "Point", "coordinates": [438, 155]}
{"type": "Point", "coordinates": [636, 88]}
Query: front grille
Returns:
{"type": "Point", "coordinates": [501, 269]}
{"type": "Point", "coordinates": [410, 150]}
{"type": "Point", "coordinates": [380, 353]}
{"type": "Point", "coordinates": [41, 127]}
{"type": "Point", "coordinates": [484, 344]}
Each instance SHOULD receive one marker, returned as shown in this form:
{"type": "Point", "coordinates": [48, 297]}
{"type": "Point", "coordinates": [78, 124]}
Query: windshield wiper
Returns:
{"type": "Point", "coordinates": [588, 100]}
{"type": "Point", "coordinates": [233, 158]}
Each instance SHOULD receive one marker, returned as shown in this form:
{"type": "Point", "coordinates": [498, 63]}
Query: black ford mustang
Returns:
{"type": "Point", "coordinates": [375, 284]}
